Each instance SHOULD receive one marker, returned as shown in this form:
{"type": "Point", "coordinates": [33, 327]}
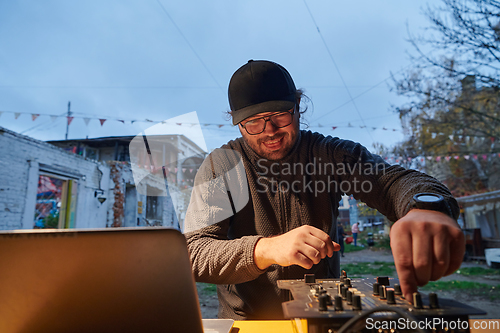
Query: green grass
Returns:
{"type": "Point", "coordinates": [472, 288]}
{"type": "Point", "coordinates": [377, 268]}
{"type": "Point", "coordinates": [474, 271]}
{"type": "Point", "coordinates": [351, 248]}
{"type": "Point", "coordinates": [206, 288]}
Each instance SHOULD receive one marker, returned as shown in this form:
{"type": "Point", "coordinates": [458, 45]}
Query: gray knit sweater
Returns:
{"type": "Point", "coordinates": [305, 187]}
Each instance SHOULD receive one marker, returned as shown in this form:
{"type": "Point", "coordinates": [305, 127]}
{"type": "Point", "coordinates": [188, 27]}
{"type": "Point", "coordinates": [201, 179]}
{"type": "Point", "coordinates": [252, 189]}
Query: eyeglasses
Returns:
{"type": "Point", "coordinates": [279, 120]}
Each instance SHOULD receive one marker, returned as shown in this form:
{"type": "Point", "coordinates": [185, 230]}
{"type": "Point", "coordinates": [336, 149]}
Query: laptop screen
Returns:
{"type": "Point", "coordinates": [109, 280]}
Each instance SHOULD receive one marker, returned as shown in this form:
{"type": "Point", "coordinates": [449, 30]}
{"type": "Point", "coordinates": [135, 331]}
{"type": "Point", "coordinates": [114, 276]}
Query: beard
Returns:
{"type": "Point", "coordinates": [286, 142]}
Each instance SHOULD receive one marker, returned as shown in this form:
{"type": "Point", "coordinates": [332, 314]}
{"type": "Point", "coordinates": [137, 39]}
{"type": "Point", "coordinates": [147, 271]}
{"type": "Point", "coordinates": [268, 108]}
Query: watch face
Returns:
{"type": "Point", "coordinates": [428, 197]}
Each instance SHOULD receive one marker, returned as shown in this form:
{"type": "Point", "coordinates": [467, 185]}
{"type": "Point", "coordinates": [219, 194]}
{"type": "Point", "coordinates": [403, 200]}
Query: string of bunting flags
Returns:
{"type": "Point", "coordinates": [441, 158]}
{"type": "Point", "coordinates": [87, 120]}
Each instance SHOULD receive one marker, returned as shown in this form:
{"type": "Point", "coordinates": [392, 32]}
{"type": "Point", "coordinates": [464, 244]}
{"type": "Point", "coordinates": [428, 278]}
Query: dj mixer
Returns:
{"type": "Point", "coordinates": [371, 305]}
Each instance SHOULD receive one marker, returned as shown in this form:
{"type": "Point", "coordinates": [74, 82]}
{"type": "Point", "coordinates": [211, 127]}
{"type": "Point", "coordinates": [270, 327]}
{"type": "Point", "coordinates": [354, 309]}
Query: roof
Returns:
{"type": "Point", "coordinates": [111, 141]}
{"type": "Point", "coordinates": [482, 198]}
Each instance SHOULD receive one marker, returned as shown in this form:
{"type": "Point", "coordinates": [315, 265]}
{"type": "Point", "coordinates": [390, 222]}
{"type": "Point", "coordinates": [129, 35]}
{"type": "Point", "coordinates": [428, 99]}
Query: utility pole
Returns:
{"type": "Point", "coordinates": [67, 120]}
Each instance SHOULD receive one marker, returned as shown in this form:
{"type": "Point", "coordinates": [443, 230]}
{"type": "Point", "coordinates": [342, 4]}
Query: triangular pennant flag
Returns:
{"type": "Point", "coordinates": [190, 170]}
{"type": "Point", "coordinates": [34, 116]}
{"type": "Point", "coordinates": [53, 118]}
{"type": "Point", "coordinates": [70, 119]}
{"type": "Point", "coordinates": [16, 115]}
{"type": "Point", "coordinates": [86, 120]}
{"type": "Point", "coordinates": [102, 121]}
{"type": "Point", "coordinates": [334, 127]}
{"type": "Point", "coordinates": [456, 157]}
{"type": "Point", "coordinates": [148, 120]}
{"type": "Point", "coordinates": [319, 125]}
{"type": "Point", "coordinates": [176, 169]}
{"type": "Point", "coordinates": [485, 157]}
{"type": "Point", "coordinates": [429, 158]}
{"type": "Point", "coordinates": [179, 124]}
{"type": "Point", "coordinates": [475, 157]}
{"type": "Point", "coordinates": [433, 135]}
{"type": "Point", "coordinates": [218, 126]}
{"type": "Point", "coordinates": [466, 157]}
{"type": "Point", "coordinates": [183, 170]}
{"type": "Point", "coordinates": [121, 121]}
{"type": "Point", "coordinates": [438, 158]}
{"type": "Point", "coordinates": [447, 158]}
{"type": "Point", "coordinates": [451, 137]}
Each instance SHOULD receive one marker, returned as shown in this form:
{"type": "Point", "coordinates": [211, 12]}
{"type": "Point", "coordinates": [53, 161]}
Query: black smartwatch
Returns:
{"type": "Point", "coordinates": [431, 201]}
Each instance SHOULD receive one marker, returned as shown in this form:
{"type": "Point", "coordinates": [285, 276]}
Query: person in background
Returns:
{"type": "Point", "coordinates": [355, 231]}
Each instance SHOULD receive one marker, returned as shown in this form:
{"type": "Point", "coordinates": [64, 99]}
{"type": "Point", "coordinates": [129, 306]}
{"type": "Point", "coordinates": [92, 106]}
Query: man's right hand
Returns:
{"type": "Point", "coordinates": [303, 246]}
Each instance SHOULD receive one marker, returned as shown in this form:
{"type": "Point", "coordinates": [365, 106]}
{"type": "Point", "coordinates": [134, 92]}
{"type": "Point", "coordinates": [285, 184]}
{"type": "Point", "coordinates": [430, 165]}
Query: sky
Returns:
{"type": "Point", "coordinates": [134, 64]}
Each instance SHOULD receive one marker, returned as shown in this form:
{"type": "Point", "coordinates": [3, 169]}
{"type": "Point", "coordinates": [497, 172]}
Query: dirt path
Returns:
{"type": "Point", "coordinates": [209, 302]}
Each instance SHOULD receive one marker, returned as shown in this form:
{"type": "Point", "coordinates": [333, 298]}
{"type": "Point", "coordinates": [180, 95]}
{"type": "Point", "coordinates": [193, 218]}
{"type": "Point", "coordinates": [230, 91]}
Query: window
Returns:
{"type": "Point", "coordinates": [154, 204]}
{"type": "Point", "coordinates": [55, 202]}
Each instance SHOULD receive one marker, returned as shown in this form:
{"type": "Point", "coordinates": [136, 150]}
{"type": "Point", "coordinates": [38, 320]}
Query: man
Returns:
{"type": "Point", "coordinates": [276, 223]}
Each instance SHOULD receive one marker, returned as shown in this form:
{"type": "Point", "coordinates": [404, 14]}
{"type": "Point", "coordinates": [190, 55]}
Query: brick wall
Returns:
{"type": "Point", "coordinates": [22, 158]}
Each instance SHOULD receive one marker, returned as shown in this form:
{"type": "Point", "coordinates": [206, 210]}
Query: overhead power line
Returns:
{"type": "Point", "coordinates": [337, 68]}
{"type": "Point", "coordinates": [189, 44]}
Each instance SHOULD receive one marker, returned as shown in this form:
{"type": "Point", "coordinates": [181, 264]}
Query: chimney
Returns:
{"type": "Point", "coordinates": [469, 84]}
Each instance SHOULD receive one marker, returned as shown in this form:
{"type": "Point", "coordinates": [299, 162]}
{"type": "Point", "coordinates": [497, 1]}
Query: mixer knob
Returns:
{"type": "Point", "coordinates": [417, 301]}
{"type": "Point", "coordinates": [320, 290]}
{"type": "Point", "coordinates": [347, 282]}
{"type": "Point", "coordinates": [433, 301]}
{"type": "Point", "coordinates": [382, 292]}
{"type": "Point", "coordinates": [384, 280]}
{"type": "Point", "coordinates": [339, 290]}
{"type": "Point", "coordinates": [338, 303]}
{"type": "Point", "coordinates": [309, 278]}
{"type": "Point", "coordinates": [349, 297]}
{"type": "Point", "coordinates": [343, 276]}
{"type": "Point", "coordinates": [323, 302]}
{"type": "Point", "coordinates": [356, 302]}
{"type": "Point", "coordinates": [375, 289]}
{"type": "Point", "coordinates": [397, 289]}
{"type": "Point", "coordinates": [390, 296]}
{"type": "Point", "coordinates": [343, 292]}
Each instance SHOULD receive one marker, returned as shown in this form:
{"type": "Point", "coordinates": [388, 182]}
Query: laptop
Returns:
{"type": "Point", "coordinates": [99, 280]}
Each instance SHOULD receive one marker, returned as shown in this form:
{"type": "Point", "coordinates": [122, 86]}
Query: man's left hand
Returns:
{"type": "Point", "coordinates": [426, 245]}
